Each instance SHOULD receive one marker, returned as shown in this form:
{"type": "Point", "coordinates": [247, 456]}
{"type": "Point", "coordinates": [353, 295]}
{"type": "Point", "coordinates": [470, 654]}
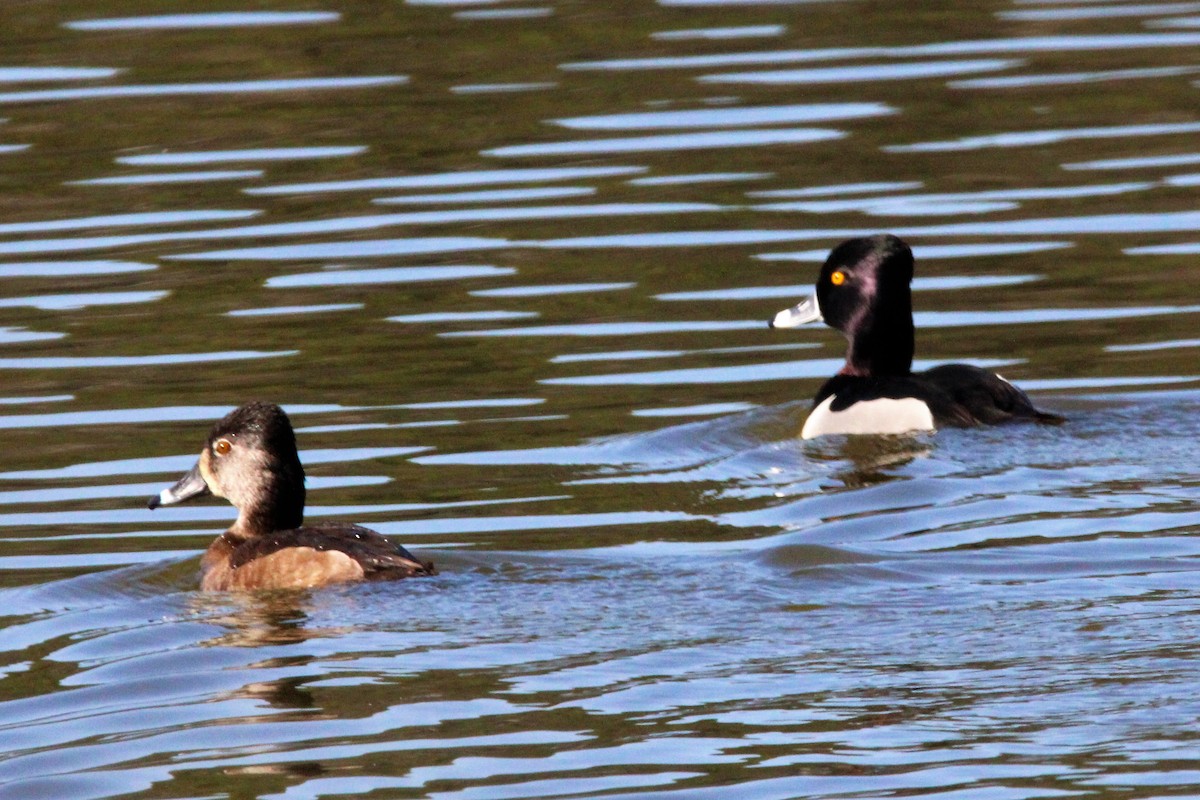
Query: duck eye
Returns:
{"type": "Point", "coordinates": [837, 278]}
{"type": "Point", "coordinates": [222, 446]}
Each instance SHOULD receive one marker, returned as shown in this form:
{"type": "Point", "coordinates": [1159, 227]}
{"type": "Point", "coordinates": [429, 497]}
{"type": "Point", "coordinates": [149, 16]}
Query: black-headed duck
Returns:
{"type": "Point", "coordinates": [864, 292]}
{"type": "Point", "coordinates": [250, 459]}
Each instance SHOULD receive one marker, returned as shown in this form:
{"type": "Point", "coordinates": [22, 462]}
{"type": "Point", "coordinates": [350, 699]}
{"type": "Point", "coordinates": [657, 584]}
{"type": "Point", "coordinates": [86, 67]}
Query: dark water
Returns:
{"type": "Point", "coordinates": [509, 266]}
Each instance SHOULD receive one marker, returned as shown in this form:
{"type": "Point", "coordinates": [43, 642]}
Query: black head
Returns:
{"type": "Point", "coordinates": [250, 459]}
{"type": "Point", "coordinates": [864, 291]}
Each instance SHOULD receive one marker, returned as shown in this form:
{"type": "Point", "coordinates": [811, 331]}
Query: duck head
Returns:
{"type": "Point", "coordinates": [250, 459]}
{"type": "Point", "coordinates": [864, 292]}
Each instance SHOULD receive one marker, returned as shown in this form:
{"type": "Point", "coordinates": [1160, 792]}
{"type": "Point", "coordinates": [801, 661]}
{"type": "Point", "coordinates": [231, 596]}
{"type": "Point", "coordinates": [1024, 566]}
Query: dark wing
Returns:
{"type": "Point", "coordinates": [380, 557]}
{"type": "Point", "coordinates": [986, 397]}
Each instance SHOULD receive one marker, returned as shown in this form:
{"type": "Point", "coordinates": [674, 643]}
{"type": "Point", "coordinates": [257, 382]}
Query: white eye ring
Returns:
{"type": "Point", "coordinates": [222, 446]}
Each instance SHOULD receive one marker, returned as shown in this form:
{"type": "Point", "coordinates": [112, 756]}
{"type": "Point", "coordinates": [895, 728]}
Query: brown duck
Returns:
{"type": "Point", "coordinates": [250, 459]}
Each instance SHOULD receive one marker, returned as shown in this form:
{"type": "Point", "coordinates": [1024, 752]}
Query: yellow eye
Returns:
{"type": "Point", "coordinates": [222, 446]}
{"type": "Point", "coordinates": [837, 278]}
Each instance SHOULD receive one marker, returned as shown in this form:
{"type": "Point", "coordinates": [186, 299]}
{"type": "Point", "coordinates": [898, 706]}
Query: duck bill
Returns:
{"type": "Point", "coordinates": [802, 313]}
{"type": "Point", "coordinates": [190, 485]}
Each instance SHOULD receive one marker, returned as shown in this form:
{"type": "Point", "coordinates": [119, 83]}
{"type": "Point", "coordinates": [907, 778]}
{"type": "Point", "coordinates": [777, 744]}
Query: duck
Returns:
{"type": "Point", "coordinates": [250, 459]}
{"type": "Point", "coordinates": [864, 291]}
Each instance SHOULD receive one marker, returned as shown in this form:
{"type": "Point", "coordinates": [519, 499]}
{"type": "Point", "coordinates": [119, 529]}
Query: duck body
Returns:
{"type": "Point", "coordinates": [313, 555]}
{"type": "Point", "coordinates": [250, 458]}
{"type": "Point", "coordinates": [864, 291]}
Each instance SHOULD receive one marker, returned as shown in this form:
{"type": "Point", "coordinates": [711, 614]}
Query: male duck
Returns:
{"type": "Point", "coordinates": [250, 458]}
{"type": "Point", "coordinates": [864, 292]}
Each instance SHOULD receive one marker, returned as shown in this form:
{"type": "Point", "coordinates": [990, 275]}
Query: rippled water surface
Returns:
{"type": "Point", "coordinates": [508, 266]}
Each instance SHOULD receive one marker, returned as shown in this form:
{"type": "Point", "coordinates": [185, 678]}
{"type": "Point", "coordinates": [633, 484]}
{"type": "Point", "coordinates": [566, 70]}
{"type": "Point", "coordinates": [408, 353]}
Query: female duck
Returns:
{"type": "Point", "coordinates": [864, 292]}
{"type": "Point", "coordinates": [250, 458]}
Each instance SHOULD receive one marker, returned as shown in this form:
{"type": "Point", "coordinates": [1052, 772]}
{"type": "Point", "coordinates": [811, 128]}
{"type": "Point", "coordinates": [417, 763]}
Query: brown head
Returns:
{"type": "Point", "coordinates": [249, 459]}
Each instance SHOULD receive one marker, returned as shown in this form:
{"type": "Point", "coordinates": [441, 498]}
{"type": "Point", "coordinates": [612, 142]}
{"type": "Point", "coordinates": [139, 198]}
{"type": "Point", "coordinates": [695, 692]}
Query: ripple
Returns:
{"type": "Point", "coordinates": [228, 19]}
{"type": "Point", "coordinates": [866, 72]}
{"type": "Point", "coordinates": [49, 398]}
{"type": "Point", "coordinates": [490, 402]}
{"type": "Point", "coordinates": [1180, 22]}
{"type": "Point", "coordinates": [1179, 159]}
{"type": "Point", "coordinates": [1184, 249]}
{"type": "Point", "coordinates": [462, 525]}
{"type": "Point", "coordinates": [182, 463]}
{"type": "Point", "coordinates": [947, 202]}
{"type": "Point", "coordinates": [703, 177]}
{"type": "Point", "coordinates": [370, 277]}
{"type": "Point", "coordinates": [1033, 316]}
{"type": "Point", "coordinates": [1087, 224]}
{"type": "Point", "coordinates": [190, 158]}
{"type": "Point", "coordinates": [463, 316]}
{"type": "Point", "coordinates": [495, 196]}
{"type": "Point", "coordinates": [277, 311]}
{"type": "Point", "coordinates": [51, 74]}
{"type": "Point", "coordinates": [551, 289]}
{"type": "Point", "coordinates": [642, 355]}
{"type": "Point", "coordinates": [741, 373]}
{"type": "Point", "coordinates": [364, 248]}
{"type": "Point", "coordinates": [1028, 44]}
{"type": "Point", "coordinates": [223, 513]}
{"type": "Point", "coordinates": [164, 359]}
{"type": "Point", "coordinates": [668, 142]}
{"type": "Point", "coordinates": [703, 410]}
{"type": "Point", "coordinates": [727, 117]}
{"type": "Point", "coordinates": [945, 283]}
{"type": "Point", "coordinates": [504, 13]}
{"type": "Point", "coordinates": [1030, 138]}
{"type": "Point", "coordinates": [61, 269]}
{"type": "Point", "coordinates": [143, 490]}
{"type": "Point", "coordinates": [189, 89]}
{"type": "Point", "coordinates": [1152, 346]}
{"type": "Point", "coordinates": [839, 189]}
{"type": "Point", "coordinates": [737, 32]}
{"type": "Point", "coordinates": [1098, 12]}
{"type": "Point", "coordinates": [925, 252]}
{"type": "Point", "coordinates": [10, 335]}
{"type": "Point", "coordinates": [449, 179]}
{"type": "Point", "coordinates": [171, 177]}
{"type": "Point", "coordinates": [616, 329]}
{"type": "Point", "coordinates": [152, 218]}
{"type": "Point", "coordinates": [1071, 78]}
{"type": "Point", "coordinates": [502, 88]}
{"type": "Point", "coordinates": [1184, 180]}
{"type": "Point", "coordinates": [76, 302]}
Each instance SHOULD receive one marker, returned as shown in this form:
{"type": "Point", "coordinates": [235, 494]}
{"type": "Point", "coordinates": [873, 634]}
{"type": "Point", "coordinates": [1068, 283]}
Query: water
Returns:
{"type": "Point", "coordinates": [509, 268]}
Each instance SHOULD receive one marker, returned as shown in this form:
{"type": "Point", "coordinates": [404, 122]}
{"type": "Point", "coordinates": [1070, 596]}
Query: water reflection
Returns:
{"type": "Point", "coordinates": [1072, 78]}
{"type": "Point", "coordinates": [172, 177]}
{"type": "Point", "coordinates": [370, 277]}
{"type": "Point", "coordinates": [867, 72]}
{"type": "Point", "coordinates": [738, 116]}
{"type": "Point", "coordinates": [494, 196]}
{"type": "Point", "coordinates": [1098, 12]}
{"type": "Point", "coordinates": [739, 32]}
{"type": "Point", "coordinates": [193, 158]}
{"type": "Point", "coordinates": [451, 179]}
{"type": "Point", "coordinates": [66, 269]}
{"type": "Point", "coordinates": [230, 19]}
{"type": "Point", "coordinates": [1030, 138]}
{"type": "Point", "coordinates": [668, 142]}
{"type": "Point", "coordinates": [1016, 45]}
{"type": "Point", "coordinates": [210, 88]}
{"type": "Point", "coordinates": [82, 300]}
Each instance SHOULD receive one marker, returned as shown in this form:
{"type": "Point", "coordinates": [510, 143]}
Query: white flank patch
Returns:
{"type": "Point", "coordinates": [884, 415]}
